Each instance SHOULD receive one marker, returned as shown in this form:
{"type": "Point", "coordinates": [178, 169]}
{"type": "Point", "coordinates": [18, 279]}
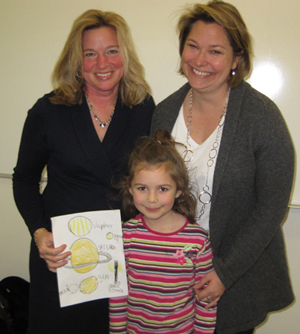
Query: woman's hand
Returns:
{"type": "Point", "coordinates": [54, 257]}
{"type": "Point", "coordinates": [209, 289]}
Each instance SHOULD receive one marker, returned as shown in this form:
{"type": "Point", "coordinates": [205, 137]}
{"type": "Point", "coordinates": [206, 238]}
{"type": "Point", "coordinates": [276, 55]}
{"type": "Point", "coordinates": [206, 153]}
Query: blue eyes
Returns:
{"type": "Point", "coordinates": [109, 53]}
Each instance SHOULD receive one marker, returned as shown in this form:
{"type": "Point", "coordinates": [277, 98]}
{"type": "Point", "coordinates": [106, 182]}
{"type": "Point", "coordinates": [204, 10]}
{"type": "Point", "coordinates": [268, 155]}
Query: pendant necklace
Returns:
{"type": "Point", "coordinates": [91, 108]}
{"type": "Point", "coordinates": [205, 195]}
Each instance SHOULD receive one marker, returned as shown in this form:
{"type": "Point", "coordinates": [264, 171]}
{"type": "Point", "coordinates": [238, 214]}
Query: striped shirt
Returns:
{"type": "Point", "coordinates": [162, 270]}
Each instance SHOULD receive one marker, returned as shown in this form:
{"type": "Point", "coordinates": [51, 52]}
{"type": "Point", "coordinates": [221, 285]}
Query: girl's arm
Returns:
{"type": "Point", "coordinates": [118, 315]}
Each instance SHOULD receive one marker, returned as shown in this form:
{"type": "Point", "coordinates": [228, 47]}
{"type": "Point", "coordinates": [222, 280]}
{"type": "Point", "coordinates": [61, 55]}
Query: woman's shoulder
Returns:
{"type": "Point", "coordinates": [254, 100]}
{"type": "Point", "coordinates": [44, 103]}
{"type": "Point", "coordinates": [44, 108]}
{"type": "Point", "coordinates": [147, 104]}
{"type": "Point", "coordinates": [175, 98]}
{"type": "Point", "coordinates": [166, 112]}
{"type": "Point", "coordinates": [258, 115]}
{"type": "Point", "coordinates": [141, 112]}
{"type": "Point", "coordinates": [254, 108]}
{"type": "Point", "coordinates": [37, 111]}
{"type": "Point", "coordinates": [148, 101]}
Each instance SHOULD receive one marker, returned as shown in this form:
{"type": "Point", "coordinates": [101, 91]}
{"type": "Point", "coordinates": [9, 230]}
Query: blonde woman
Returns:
{"type": "Point", "coordinates": [81, 132]}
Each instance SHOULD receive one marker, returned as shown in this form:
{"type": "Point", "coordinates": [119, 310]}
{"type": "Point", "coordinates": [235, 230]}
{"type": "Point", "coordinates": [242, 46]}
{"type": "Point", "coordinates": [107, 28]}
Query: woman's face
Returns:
{"type": "Point", "coordinates": [103, 66]}
{"type": "Point", "coordinates": [207, 57]}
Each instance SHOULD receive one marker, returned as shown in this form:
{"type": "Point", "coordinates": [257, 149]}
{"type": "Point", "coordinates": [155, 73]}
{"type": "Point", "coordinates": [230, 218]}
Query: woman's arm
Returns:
{"type": "Point", "coordinates": [32, 159]}
{"type": "Point", "coordinates": [206, 311]}
{"type": "Point", "coordinates": [252, 197]}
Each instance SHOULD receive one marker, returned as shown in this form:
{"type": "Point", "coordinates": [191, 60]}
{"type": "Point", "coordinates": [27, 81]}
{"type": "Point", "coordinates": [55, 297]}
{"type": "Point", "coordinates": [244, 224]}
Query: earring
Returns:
{"type": "Point", "coordinates": [232, 72]}
{"type": "Point", "coordinates": [78, 75]}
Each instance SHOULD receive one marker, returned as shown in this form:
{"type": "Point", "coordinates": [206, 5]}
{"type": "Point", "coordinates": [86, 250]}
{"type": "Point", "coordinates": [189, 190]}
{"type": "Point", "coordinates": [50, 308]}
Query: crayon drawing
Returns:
{"type": "Point", "coordinates": [96, 268]}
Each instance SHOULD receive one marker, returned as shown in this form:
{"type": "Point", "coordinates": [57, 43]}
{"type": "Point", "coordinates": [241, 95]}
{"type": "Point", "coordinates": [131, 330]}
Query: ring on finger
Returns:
{"type": "Point", "coordinates": [208, 299]}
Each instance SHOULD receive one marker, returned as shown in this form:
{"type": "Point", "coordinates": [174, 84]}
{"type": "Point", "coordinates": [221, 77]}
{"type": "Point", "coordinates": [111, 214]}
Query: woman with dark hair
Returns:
{"type": "Point", "coordinates": [81, 133]}
{"type": "Point", "coordinates": [241, 162]}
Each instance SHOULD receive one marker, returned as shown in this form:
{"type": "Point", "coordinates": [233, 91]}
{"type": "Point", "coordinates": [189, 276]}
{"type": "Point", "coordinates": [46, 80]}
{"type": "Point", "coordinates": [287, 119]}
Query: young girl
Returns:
{"type": "Point", "coordinates": [165, 252]}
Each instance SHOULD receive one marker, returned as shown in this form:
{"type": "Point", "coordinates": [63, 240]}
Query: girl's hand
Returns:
{"type": "Point", "coordinates": [54, 257]}
{"type": "Point", "coordinates": [209, 289]}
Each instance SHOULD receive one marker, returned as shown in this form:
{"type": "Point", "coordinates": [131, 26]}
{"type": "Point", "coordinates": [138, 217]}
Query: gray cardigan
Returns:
{"type": "Point", "coordinates": [251, 189]}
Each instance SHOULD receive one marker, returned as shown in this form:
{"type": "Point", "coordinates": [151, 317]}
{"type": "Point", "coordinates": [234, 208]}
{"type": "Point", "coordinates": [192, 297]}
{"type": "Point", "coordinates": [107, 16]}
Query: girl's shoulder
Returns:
{"type": "Point", "coordinates": [134, 222]}
{"type": "Point", "coordinates": [195, 229]}
{"type": "Point", "coordinates": [195, 238]}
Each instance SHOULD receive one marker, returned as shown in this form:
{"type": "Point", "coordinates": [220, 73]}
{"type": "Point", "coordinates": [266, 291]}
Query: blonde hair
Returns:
{"type": "Point", "coordinates": [231, 20]}
{"type": "Point", "coordinates": [67, 81]}
{"type": "Point", "coordinates": [159, 151]}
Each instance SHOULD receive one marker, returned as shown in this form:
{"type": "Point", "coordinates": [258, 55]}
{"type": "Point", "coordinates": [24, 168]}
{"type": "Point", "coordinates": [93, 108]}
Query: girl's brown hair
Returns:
{"type": "Point", "coordinates": [159, 151]}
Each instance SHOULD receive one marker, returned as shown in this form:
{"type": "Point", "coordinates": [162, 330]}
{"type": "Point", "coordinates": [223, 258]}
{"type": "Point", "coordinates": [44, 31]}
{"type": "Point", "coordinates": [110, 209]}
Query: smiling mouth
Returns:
{"type": "Point", "coordinates": [152, 209]}
{"type": "Point", "coordinates": [203, 74]}
{"type": "Point", "coordinates": [103, 75]}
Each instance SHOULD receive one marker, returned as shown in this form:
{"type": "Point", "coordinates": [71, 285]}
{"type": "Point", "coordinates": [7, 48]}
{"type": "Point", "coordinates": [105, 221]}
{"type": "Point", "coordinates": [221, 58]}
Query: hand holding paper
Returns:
{"type": "Point", "coordinates": [96, 265]}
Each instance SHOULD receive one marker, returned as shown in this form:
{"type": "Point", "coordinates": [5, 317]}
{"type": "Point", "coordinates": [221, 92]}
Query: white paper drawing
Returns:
{"type": "Point", "coordinates": [96, 268]}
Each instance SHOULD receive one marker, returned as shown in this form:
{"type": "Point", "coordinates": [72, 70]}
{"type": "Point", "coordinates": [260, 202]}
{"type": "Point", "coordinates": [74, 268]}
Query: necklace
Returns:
{"type": "Point", "coordinates": [91, 108]}
{"type": "Point", "coordinates": [205, 196]}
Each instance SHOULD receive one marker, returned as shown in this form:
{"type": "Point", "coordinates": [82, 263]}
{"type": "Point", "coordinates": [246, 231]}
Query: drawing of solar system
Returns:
{"type": "Point", "coordinates": [85, 256]}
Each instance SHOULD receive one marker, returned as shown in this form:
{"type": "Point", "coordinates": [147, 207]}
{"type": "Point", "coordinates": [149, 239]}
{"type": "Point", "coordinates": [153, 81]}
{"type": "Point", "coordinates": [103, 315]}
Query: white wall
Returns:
{"type": "Point", "coordinates": [32, 34]}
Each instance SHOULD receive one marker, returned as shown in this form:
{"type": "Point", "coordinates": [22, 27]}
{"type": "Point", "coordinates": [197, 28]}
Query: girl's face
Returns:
{"type": "Point", "coordinates": [154, 192]}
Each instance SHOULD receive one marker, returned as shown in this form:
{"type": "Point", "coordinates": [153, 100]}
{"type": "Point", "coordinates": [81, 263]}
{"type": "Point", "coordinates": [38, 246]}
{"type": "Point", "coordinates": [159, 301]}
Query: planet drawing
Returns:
{"type": "Point", "coordinates": [85, 256]}
{"type": "Point", "coordinates": [80, 226]}
{"type": "Point", "coordinates": [89, 285]}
